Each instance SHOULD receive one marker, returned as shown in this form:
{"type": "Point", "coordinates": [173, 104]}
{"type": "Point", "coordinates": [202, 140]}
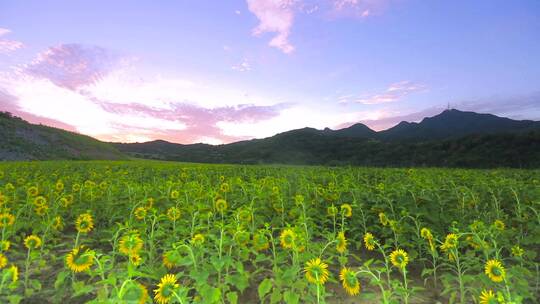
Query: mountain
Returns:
{"type": "Point", "coordinates": [24, 141]}
{"type": "Point", "coordinates": [451, 139]}
{"type": "Point", "coordinates": [455, 124]}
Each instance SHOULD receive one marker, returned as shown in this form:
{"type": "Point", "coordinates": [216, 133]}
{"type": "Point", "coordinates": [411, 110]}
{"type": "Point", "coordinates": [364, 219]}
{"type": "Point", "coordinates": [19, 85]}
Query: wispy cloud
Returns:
{"type": "Point", "coordinates": [393, 93]}
{"type": "Point", "coordinates": [73, 65]}
{"type": "Point", "coordinates": [6, 45]}
{"type": "Point", "coordinates": [244, 66]}
{"type": "Point", "coordinates": [275, 16]}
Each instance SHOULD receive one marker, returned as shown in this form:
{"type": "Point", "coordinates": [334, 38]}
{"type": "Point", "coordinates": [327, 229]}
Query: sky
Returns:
{"type": "Point", "coordinates": [223, 71]}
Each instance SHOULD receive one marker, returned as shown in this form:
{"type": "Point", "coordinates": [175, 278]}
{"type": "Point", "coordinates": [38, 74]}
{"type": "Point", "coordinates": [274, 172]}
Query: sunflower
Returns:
{"type": "Point", "coordinates": [175, 194]}
{"type": "Point", "coordinates": [40, 201]}
{"type": "Point", "coordinates": [316, 271]}
{"type": "Point", "coordinates": [32, 191]}
{"type": "Point", "coordinates": [287, 238]}
{"type": "Point", "coordinates": [171, 259]}
{"type": "Point", "coordinates": [369, 241]}
{"type": "Point", "coordinates": [426, 234]}
{"type": "Point", "coordinates": [59, 186]}
{"type": "Point", "coordinates": [383, 219]}
{"type": "Point", "coordinates": [3, 260]}
{"type": "Point", "coordinates": [64, 202]}
{"type": "Point", "coordinates": [331, 210]}
{"type": "Point", "coordinates": [6, 219]}
{"type": "Point", "coordinates": [12, 273]}
{"type": "Point", "coordinates": [517, 251]}
{"type": "Point", "coordinates": [341, 242]}
{"type": "Point", "coordinates": [224, 187]}
{"type": "Point", "coordinates": [173, 213]}
{"type": "Point", "coordinates": [80, 259]}
{"type": "Point", "coordinates": [84, 223]}
{"type": "Point", "coordinates": [499, 225]}
{"type": "Point", "coordinates": [150, 203]}
{"type": "Point", "coordinates": [298, 199]}
{"type": "Point", "coordinates": [350, 282]}
{"type": "Point", "coordinates": [76, 187]}
{"type": "Point", "coordinates": [130, 244]}
{"type": "Point", "coordinates": [58, 224]}
{"type": "Point", "coordinates": [450, 242]}
{"type": "Point", "coordinates": [221, 205]}
{"type": "Point", "coordinates": [4, 245]}
{"type": "Point", "coordinates": [165, 289]}
{"type": "Point", "coordinates": [241, 237]}
{"type": "Point", "coordinates": [260, 241]}
{"type": "Point", "coordinates": [41, 210]}
{"type": "Point", "coordinates": [10, 187]}
{"type": "Point", "coordinates": [488, 297]}
{"type": "Point", "coordinates": [135, 259]}
{"type": "Point", "coordinates": [135, 293]}
{"type": "Point", "coordinates": [32, 242]}
{"type": "Point", "coordinates": [244, 216]}
{"type": "Point", "coordinates": [140, 213]}
{"type": "Point", "coordinates": [346, 210]}
{"type": "Point", "coordinates": [197, 239]}
{"type": "Point", "coordinates": [495, 271]}
{"type": "Point", "coordinates": [399, 258]}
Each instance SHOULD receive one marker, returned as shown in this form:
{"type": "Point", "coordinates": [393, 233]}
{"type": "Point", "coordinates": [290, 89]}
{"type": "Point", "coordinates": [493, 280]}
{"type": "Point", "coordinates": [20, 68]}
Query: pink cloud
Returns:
{"type": "Point", "coordinates": [72, 66]}
{"type": "Point", "coordinates": [8, 103]}
{"type": "Point", "coordinates": [275, 16]}
{"type": "Point", "coordinates": [394, 92]}
{"type": "Point", "coordinates": [201, 123]}
{"type": "Point", "coordinates": [7, 46]}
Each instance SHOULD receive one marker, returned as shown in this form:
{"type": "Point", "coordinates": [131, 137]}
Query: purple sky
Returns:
{"type": "Point", "coordinates": [222, 71]}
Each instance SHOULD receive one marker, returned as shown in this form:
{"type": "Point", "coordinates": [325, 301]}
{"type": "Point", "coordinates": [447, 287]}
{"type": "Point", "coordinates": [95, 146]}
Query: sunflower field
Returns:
{"type": "Point", "coordinates": [158, 232]}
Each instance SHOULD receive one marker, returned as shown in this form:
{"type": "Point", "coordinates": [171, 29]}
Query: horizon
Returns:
{"type": "Point", "coordinates": [224, 72]}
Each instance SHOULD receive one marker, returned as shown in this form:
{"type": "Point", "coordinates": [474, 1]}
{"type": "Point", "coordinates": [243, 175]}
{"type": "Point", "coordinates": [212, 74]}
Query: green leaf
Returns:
{"type": "Point", "coordinates": [291, 297]}
{"type": "Point", "coordinates": [264, 288]}
{"type": "Point", "coordinates": [232, 297]}
{"type": "Point", "coordinates": [276, 296]}
{"type": "Point", "coordinates": [60, 279]}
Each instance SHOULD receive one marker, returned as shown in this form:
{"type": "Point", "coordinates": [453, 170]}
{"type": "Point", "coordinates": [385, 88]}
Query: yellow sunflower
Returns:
{"type": "Point", "coordinates": [135, 259]}
{"type": "Point", "coordinates": [346, 210]}
{"type": "Point", "coordinates": [316, 271]}
{"type": "Point", "coordinates": [165, 289]}
{"type": "Point", "coordinates": [499, 225]}
{"type": "Point", "coordinates": [40, 201]}
{"type": "Point", "coordinates": [150, 202]}
{"type": "Point", "coordinates": [341, 242]}
{"type": "Point", "coordinates": [173, 213]}
{"type": "Point", "coordinates": [450, 242]}
{"type": "Point", "coordinates": [488, 297]}
{"type": "Point", "coordinates": [197, 239]}
{"type": "Point", "coordinates": [4, 245]}
{"type": "Point", "coordinates": [140, 213]}
{"type": "Point", "coordinates": [517, 251]}
{"type": "Point", "coordinates": [80, 259]}
{"type": "Point", "coordinates": [41, 210]}
{"type": "Point", "coordinates": [32, 191]}
{"type": "Point", "coordinates": [425, 233]}
{"type": "Point", "coordinates": [287, 238]}
{"type": "Point", "coordinates": [135, 292]}
{"type": "Point", "coordinates": [58, 224]}
{"type": "Point", "coordinates": [350, 281]}
{"type": "Point", "coordinates": [260, 241]}
{"type": "Point", "coordinates": [171, 259]}
{"type": "Point", "coordinates": [399, 258]}
{"type": "Point", "coordinates": [12, 273]}
{"type": "Point", "coordinates": [242, 237]}
{"type": "Point", "coordinates": [84, 223]}
{"type": "Point", "coordinates": [369, 241]}
{"type": "Point", "coordinates": [3, 260]}
{"type": "Point", "coordinates": [331, 210]}
{"type": "Point", "coordinates": [383, 219]}
{"type": "Point", "coordinates": [221, 205]}
{"type": "Point", "coordinates": [6, 219]}
{"type": "Point", "coordinates": [244, 216]}
{"type": "Point", "coordinates": [130, 244]}
{"type": "Point", "coordinates": [59, 186]}
{"type": "Point", "coordinates": [32, 242]}
{"type": "Point", "coordinates": [175, 194]}
{"type": "Point", "coordinates": [495, 270]}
